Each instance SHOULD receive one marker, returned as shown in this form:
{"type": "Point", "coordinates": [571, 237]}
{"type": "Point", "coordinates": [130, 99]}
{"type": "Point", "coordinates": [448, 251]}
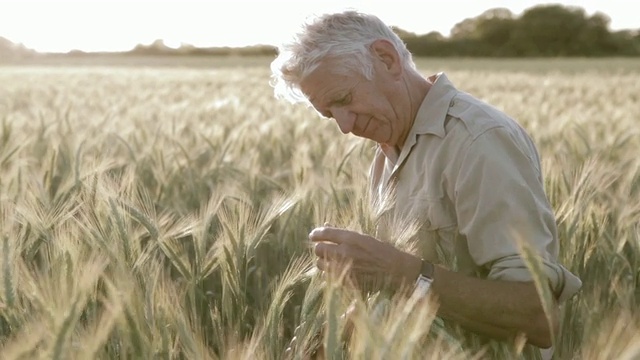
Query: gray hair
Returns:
{"type": "Point", "coordinates": [345, 36]}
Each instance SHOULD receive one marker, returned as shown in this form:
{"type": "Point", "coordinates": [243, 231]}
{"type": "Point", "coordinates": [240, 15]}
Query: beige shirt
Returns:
{"type": "Point", "coordinates": [469, 181]}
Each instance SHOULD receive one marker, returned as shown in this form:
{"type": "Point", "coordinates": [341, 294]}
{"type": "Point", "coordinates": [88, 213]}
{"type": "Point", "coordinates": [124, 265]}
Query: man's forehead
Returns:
{"type": "Point", "coordinates": [323, 81]}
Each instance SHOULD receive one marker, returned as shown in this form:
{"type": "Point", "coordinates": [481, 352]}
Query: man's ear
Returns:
{"type": "Point", "coordinates": [385, 52]}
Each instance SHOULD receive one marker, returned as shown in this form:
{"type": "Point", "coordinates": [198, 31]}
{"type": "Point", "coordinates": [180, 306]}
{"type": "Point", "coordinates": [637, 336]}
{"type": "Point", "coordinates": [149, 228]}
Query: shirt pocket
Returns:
{"type": "Point", "coordinates": [433, 212]}
{"type": "Point", "coordinates": [439, 226]}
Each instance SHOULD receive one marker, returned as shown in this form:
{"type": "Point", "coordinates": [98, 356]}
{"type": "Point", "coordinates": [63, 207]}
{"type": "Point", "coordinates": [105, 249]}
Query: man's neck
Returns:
{"type": "Point", "coordinates": [417, 88]}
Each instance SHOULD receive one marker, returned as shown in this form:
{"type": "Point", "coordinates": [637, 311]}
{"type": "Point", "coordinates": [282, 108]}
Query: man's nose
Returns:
{"type": "Point", "coordinates": [345, 119]}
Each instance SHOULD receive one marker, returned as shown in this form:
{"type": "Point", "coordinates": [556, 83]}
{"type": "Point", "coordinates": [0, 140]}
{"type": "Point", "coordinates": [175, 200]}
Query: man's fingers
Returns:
{"type": "Point", "coordinates": [324, 233]}
{"type": "Point", "coordinates": [331, 251]}
{"type": "Point", "coordinates": [335, 235]}
{"type": "Point", "coordinates": [322, 264]}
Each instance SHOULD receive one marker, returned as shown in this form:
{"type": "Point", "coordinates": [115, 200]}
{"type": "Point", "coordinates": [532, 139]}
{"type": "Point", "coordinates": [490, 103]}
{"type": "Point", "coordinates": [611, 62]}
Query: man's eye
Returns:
{"type": "Point", "coordinates": [345, 100]}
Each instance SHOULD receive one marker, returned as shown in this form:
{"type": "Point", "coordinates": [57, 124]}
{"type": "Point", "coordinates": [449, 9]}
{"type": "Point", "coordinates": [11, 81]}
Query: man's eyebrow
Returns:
{"type": "Point", "coordinates": [334, 97]}
{"type": "Point", "coordinates": [313, 100]}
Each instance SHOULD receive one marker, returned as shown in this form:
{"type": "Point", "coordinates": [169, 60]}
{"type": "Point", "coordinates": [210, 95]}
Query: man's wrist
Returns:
{"type": "Point", "coordinates": [411, 267]}
{"type": "Point", "coordinates": [409, 271]}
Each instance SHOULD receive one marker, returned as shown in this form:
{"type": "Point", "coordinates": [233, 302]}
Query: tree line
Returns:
{"type": "Point", "coordinates": [540, 31]}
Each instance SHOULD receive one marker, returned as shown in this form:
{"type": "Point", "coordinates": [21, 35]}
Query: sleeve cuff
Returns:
{"type": "Point", "coordinates": [512, 268]}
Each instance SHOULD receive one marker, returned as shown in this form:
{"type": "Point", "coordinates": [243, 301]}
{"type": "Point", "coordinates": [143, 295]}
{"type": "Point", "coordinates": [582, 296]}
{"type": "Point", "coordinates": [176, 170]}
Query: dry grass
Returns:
{"type": "Point", "coordinates": [163, 213]}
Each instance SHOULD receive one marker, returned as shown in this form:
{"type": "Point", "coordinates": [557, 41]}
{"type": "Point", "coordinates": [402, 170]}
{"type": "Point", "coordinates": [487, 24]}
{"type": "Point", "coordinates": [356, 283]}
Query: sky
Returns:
{"type": "Point", "coordinates": [118, 25]}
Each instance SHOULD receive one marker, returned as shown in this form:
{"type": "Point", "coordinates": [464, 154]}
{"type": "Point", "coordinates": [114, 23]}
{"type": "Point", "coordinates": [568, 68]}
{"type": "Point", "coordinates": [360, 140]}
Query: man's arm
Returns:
{"type": "Point", "coordinates": [494, 308]}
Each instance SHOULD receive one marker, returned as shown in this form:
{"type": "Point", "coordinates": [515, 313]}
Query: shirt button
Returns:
{"type": "Point", "coordinates": [427, 223]}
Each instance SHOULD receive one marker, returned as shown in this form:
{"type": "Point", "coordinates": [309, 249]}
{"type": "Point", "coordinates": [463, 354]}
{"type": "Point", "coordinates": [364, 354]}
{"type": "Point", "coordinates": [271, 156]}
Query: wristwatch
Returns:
{"type": "Point", "coordinates": [425, 279]}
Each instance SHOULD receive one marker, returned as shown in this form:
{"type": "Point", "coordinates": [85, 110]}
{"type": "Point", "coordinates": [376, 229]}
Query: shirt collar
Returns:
{"type": "Point", "coordinates": [430, 118]}
{"type": "Point", "coordinates": [432, 113]}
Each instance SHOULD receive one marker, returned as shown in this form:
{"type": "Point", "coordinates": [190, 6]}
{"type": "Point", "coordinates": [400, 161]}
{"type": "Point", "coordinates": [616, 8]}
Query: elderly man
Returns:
{"type": "Point", "coordinates": [468, 174]}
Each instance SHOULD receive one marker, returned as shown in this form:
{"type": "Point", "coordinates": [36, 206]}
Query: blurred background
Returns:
{"type": "Point", "coordinates": [34, 31]}
{"type": "Point", "coordinates": [156, 198]}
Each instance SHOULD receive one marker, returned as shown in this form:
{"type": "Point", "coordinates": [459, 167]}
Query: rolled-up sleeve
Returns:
{"type": "Point", "coordinates": [499, 201]}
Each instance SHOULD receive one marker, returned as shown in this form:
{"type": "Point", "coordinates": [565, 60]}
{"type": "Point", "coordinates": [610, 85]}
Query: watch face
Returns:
{"type": "Point", "coordinates": [423, 284]}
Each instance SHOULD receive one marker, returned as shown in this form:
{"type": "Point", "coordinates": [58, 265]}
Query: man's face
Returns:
{"type": "Point", "coordinates": [365, 108]}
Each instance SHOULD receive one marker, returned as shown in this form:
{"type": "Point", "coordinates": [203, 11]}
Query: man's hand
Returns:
{"type": "Point", "coordinates": [366, 257]}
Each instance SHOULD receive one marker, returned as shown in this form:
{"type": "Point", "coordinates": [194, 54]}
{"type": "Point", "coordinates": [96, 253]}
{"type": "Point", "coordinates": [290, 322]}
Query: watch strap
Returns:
{"type": "Point", "coordinates": [427, 269]}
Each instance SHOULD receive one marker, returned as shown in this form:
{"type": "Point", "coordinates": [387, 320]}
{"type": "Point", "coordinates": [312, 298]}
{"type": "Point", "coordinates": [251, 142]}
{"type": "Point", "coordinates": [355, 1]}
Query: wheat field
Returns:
{"type": "Point", "coordinates": [162, 213]}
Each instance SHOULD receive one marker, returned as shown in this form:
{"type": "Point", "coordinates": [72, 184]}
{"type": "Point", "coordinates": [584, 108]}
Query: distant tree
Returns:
{"type": "Point", "coordinates": [627, 42]}
{"type": "Point", "coordinates": [596, 38]}
{"type": "Point", "coordinates": [484, 35]}
{"type": "Point", "coordinates": [13, 52]}
{"type": "Point", "coordinates": [549, 30]}
{"type": "Point", "coordinates": [403, 34]}
{"type": "Point", "coordinates": [494, 30]}
{"type": "Point", "coordinates": [157, 47]}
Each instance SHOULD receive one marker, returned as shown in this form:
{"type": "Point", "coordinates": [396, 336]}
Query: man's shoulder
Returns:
{"type": "Point", "coordinates": [478, 116]}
